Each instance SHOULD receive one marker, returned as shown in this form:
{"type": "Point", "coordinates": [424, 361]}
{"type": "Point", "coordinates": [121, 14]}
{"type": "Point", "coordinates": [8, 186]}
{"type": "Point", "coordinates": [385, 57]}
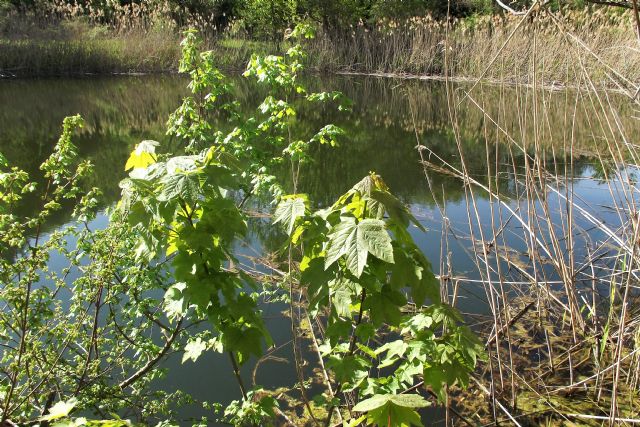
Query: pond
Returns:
{"type": "Point", "coordinates": [390, 118]}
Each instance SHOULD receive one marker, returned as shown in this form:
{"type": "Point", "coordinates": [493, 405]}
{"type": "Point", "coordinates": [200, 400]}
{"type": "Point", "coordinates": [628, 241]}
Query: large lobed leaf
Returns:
{"type": "Point", "coordinates": [392, 410]}
{"type": "Point", "coordinates": [355, 241]}
{"type": "Point", "coordinates": [289, 210]}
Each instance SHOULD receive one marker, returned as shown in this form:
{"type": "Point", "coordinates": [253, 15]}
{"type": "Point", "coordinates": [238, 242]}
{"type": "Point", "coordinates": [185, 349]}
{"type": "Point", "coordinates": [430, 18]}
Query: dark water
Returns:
{"type": "Point", "coordinates": [388, 119]}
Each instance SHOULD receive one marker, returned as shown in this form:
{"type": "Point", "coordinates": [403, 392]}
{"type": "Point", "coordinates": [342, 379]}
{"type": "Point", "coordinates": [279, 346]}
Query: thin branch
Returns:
{"type": "Point", "coordinates": [611, 3]}
{"type": "Point", "coordinates": [352, 347]}
{"type": "Point", "coordinates": [510, 10]}
{"type": "Point", "coordinates": [236, 372]}
{"type": "Point", "coordinates": [151, 363]}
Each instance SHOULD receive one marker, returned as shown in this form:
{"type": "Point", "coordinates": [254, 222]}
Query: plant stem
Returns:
{"type": "Point", "coordinates": [352, 347]}
{"type": "Point", "coordinates": [151, 363]}
{"type": "Point", "coordinates": [234, 362]}
{"type": "Point", "coordinates": [24, 322]}
{"type": "Point", "coordinates": [236, 371]}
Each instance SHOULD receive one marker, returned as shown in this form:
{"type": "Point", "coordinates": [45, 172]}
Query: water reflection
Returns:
{"type": "Point", "coordinates": [121, 111]}
{"type": "Point", "coordinates": [388, 120]}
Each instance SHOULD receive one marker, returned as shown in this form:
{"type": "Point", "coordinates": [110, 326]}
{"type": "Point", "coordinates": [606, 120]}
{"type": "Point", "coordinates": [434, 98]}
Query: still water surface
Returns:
{"type": "Point", "coordinates": [388, 120]}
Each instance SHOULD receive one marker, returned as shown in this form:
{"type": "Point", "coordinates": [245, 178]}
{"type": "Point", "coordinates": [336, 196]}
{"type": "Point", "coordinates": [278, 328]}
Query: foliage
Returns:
{"type": "Point", "coordinates": [395, 409]}
{"type": "Point", "coordinates": [183, 208]}
{"type": "Point", "coordinates": [186, 209]}
{"type": "Point", "coordinates": [70, 327]}
{"type": "Point", "coordinates": [180, 208]}
{"type": "Point", "coordinates": [267, 19]}
{"type": "Point", "coordinates": [176, 230]}
{"type": "Point", "coordinates": [260, 19]}
{"type": "Point", "coordinates": [254, 410]}
{"type": "Point", "coordinates": [359, 266]}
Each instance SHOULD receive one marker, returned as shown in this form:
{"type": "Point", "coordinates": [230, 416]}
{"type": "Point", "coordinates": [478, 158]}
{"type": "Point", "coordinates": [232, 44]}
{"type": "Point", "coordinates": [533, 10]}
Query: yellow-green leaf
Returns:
{"type": "Point", "coordinates": [60, 410]}
{"type": "Point", "coordinates": [142, 156]}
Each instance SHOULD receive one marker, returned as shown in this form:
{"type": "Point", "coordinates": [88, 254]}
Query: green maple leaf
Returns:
{"type": "Point", "coordinates": [395, 209]}
{"type": "Point", "coordinates": [343, 291]}
{"type": "Point", "coordinates": [349, 370]}
{"type": "Point", "coordinates": [343, 240]}
{"type": "Point", "coordinates": [183, 185]}
{"type": "Point", "coordinates": [373, 237]}
{"type": "Point", "coordinates": [392, 410]}
{"type": "Point", "coordinates": [245, 341]}
{"type": "Point", "coordinates": [289, 210]}
{"type": "Point", "coordinates": [412, 269]}
{"type": "Point", "coordinates": [385, 306]}
{"type": "Point", "coordinates": [395, 350]}
{"type": "Point", "coordinates": [355, 241]}
{"type": "Point", "coordinates": [437, 376]}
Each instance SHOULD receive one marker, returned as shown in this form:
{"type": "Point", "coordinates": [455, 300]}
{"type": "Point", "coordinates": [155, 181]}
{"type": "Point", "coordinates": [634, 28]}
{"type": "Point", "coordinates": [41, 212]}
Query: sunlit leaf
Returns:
{"type": "Point", "coordinates": [193, 350]}
{"type": "Point", "coordinates": [373, 237]}
{"type": "Point", "coordinates": [392, 410]}
{"type": "Point", "coordinates": [143, 155]}
{"type": "Point", "coordinates": [60, 409]}
{"type": "Point", "coordinates": [180, 185]}
{"type": "Point", "coordinates": [355, 241]}
{"type": "Point", "coordinates": [350, 370]}
{"type": "Point", "coordinates": [289, 210]}
{"type": "Point", "coordinates": [342, 240]}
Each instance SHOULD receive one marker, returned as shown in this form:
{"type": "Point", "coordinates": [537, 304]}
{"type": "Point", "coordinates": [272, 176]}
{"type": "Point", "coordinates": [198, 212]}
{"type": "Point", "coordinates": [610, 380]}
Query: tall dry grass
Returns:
{"type": "Point", "coordinates": [117, 17]}
{"type": "Point", "coordinates": [558, 256]}
{"type": "Point", "coordinates": [61, 37]}
{"type": "Point", "coordinates": [66, 37]}
{"type": "Point", "coordinates": [417, 46]}
{"type": "Point", "coordinates": [60, 45]}
{"type": "Point", "coordinates": [125, 54]}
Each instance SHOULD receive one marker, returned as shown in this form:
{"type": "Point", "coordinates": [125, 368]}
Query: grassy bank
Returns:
{"type": "Point", "coordinates": [77, 47]}
{"type": "Point", "coordinates": [504, 48]}
{"type": "Point", "coordinates": [543, 45]}
{"type": "Point", "coordinates": [45, 58]}
{"type": "Point", "coordinates": [80, 48]}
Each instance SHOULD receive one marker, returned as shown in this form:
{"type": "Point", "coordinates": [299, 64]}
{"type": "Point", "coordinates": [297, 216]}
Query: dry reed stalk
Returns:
{"type": "Point", "coordinates": [565, 264]}
{"type": "Point", "coordinates": [416, 47]}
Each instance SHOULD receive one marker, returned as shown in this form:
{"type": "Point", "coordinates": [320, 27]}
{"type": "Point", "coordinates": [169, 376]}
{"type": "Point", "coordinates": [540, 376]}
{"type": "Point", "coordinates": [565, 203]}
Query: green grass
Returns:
{"type": "Point", "coordinates": [101, 56]}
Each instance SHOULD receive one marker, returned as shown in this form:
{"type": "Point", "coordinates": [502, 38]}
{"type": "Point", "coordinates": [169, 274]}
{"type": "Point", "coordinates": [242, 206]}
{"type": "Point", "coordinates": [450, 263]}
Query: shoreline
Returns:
{"type": "Point", "coordinates": [553, 87]}
{"type": "Point", "coordinates": [491, 49]}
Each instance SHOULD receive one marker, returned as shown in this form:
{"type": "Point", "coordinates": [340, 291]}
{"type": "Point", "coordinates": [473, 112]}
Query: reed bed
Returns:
{"type": "Point", "coordinates": [66, 37]}
{"type": "Point", "coordinates": [559, 266]}
{"type": "Point", "coordinates": [417, 47]}
{"type": "Point", "coordinates": [74, 40]}
{"type": "Point", "coordinates": [105, 56]}
{"type": "Point", "coordinates": [61, 38]}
